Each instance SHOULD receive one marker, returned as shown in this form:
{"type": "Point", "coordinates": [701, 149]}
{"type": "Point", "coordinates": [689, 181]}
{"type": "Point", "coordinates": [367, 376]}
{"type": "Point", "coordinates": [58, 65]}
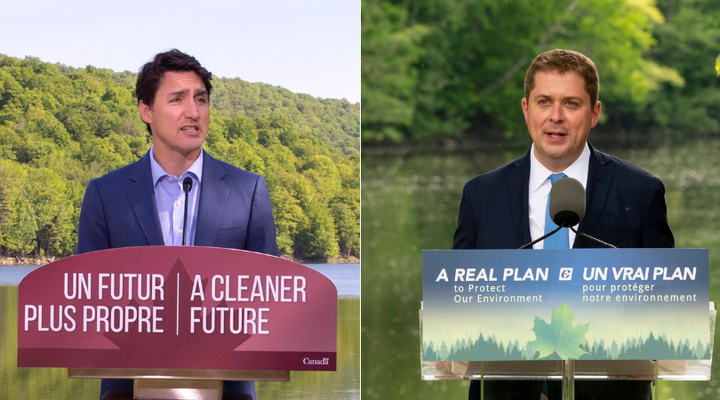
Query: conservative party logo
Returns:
{"type": "Point", "coordinates": [566, 274]}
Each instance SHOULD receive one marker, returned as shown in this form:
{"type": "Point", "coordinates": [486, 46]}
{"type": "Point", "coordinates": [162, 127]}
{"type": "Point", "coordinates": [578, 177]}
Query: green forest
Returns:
{"type": "Point", "coordinates": [635, 349]}
{"type": "Point", "coordinates": [61, 126]}
{"type": "Point", "coordinates": [438, 69]}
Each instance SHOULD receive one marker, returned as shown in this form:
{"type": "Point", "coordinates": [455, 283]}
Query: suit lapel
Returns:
{"type": "Point", "coordinates": [141, 193]}
{"type": "Point", "coordinates": [600, 180]}
{"type": "Point", "coordinates": [517, 192]}
{"type": "Point", "coordinates": [214, 194]}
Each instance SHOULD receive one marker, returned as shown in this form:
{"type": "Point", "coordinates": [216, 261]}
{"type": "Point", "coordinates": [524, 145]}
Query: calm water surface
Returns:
{"type": "Point", "coordinates": [345, 277]}
{"type": "Point", "coordinates": [11, 275]}
{"type": "Point", "coordinates": [410, 203]}
{"type": "Point", "coordinates": [52, 383]}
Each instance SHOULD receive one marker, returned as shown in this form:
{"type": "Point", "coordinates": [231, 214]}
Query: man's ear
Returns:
{"type": "Point", "coordinates": [595, 114]}
{"type": "Point", "coordinates": [145, 112]}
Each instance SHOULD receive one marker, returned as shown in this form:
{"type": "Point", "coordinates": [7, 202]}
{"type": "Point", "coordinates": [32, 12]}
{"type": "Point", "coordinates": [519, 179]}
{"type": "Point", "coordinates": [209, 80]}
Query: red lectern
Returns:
{"type": "Point", "coordinates": [178, 320]}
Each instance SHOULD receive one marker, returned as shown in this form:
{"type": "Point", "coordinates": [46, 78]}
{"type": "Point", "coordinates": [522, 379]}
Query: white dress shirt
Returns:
{"type": "Point", "coordinates": [539, 188]}
{"type": "Point", "coordinates": [170, 201]}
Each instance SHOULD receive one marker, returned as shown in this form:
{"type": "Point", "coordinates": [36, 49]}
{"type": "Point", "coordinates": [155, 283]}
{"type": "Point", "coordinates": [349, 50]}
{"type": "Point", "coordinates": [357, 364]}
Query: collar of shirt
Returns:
{"type": "Point", "coordinates": [539, 188]}
{"type": "Point", "coordinates": [170, 201]}
{"type": "Point", "coordinates": [578, 170]}
{"type": "Point", "coordinates": [158, 172]}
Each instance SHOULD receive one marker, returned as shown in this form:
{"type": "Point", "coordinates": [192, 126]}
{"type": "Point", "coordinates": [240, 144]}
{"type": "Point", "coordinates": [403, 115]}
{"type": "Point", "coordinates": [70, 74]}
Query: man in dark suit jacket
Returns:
{"type": "Point", "coordinates": [143, 203]}
{"type": "Point", "coordinates": [625, 205]}
{"type": "Point", "coordinates": [119, 210]}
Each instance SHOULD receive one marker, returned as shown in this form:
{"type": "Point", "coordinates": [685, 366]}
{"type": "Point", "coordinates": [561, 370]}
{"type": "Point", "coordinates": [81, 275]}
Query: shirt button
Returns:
{"type": "Point", "coordinates": [177, 203]}
{"type": "Point", "coordinates": [179, 231]}
{"type": "Point", "coordinates": [171, 179]}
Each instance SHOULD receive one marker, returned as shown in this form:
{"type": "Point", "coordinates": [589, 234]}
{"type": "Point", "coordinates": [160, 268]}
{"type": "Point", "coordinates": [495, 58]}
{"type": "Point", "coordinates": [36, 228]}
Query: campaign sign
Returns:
{"type": "Point", "coordinates": [581, 304]}
{"type": "Point", "coordinates": [177, 307]}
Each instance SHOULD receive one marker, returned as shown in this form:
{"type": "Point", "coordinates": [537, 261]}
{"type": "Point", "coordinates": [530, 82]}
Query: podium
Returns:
{"type": "Point", "coordinates": [177, 384]}
{"type": "Point", "coordinates": [177, 320]}
{"type": "Point", "coordinates": [582, 314]}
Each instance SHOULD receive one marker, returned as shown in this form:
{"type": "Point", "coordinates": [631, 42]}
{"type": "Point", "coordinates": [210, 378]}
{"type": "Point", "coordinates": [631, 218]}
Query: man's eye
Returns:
{"type": "Point", "coordinates": [571, 103]}
{"type": "Point", "coordinates": [174, 99]}
{"type": "Point", "coordinates": [543, 102]}
{"type": "Point", "coordinates": [201, 100]}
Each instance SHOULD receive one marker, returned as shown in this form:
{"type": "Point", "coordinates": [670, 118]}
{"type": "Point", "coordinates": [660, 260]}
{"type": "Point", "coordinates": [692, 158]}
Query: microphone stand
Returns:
{"type": "Point", "coordinates": [586, 236]}
{"type": "Point", "coordinates": [567, 218]}
{"type": "Point", "coordinates": [568, 366]}
{"type": "Point", "coordinates": [187, 185]}
{"type": "Point", "coordinates": [540, 238]}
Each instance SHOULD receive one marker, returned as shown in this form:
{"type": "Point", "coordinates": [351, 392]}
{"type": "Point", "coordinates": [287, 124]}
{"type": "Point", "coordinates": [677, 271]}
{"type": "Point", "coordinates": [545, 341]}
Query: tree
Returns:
{"type": "Point", "coordinates": [348, 230]}
{"type": "Point", "coordinates": [242, 128]}
{"type": "Point", "coordinates": [459, 66]}
{"type": "Point", "coordinates": [390, 48]}
{"type": "Point", "coordinates": [21, 228]}
{"type": "Point", "coordinates": [322, 173]}
{"type": "Point", "coordinates": [316, 239]}
{"type": "Point", "coordinates": [288, 214]}
{"type": "Point", "coordinates": [4, 214]}
{"type": "Point", "coordinates": [52, 212]}
{"type": "Point", "coordinates": [60, 127]}
{"type": "Point", "coordinates": [689, 37]}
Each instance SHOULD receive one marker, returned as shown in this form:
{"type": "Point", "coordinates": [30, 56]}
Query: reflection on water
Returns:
{"type": "Point", "coordinates": [341, 384]}
{"type": "Point", "coordinates": [32, 383]}
{"type": "Point", "coordinates": [11, 275]}
{"type": "Point", "coordinates": [52, 383]}
{"type": "Point", "coordinates": [345, 277]}
{"type": "Point", "coordinates": [410, 203]}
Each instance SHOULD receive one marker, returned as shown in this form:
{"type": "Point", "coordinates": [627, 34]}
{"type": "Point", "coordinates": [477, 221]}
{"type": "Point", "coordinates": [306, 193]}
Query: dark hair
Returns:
{"type": "Point", "coordinates": [151, 74]}
{"type": "Point", "coordinates": [563, 61]}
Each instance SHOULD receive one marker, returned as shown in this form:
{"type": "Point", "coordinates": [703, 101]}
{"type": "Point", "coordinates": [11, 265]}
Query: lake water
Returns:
{"type": "Point", "coordinates": [52, 383]}
{"type": "Point", "coordinates": [345, 277]}
{"type": "Point", "coordinates": [410, 203]}
{"type": "Point", "coordinates": [11, 275]}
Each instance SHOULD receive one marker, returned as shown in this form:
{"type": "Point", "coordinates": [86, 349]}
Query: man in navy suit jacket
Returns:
{"type": "Point", "coordinates": [142, 203]}
{"type": "Point", "coordinates": [625, 205]}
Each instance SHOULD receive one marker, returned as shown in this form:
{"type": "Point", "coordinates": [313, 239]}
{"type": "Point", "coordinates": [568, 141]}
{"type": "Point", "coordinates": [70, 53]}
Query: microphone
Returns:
{"type": "Point", "coordinates": [567, 202]}
{"type": "Point", "coordinates": [567, 209]}
{"type": "Point", "coordinates": [187, 185]}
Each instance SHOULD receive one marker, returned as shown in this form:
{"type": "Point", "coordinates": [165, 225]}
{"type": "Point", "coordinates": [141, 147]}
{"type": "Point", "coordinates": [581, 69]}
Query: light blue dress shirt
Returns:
{"type": "Point", "coordinates": [170, 200]}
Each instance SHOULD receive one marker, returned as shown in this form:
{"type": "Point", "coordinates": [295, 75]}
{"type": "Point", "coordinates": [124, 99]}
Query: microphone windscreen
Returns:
{"type": "Point", "coordinates": [187, 184]}
{"type": "Point", "coordinates": [567, 202]}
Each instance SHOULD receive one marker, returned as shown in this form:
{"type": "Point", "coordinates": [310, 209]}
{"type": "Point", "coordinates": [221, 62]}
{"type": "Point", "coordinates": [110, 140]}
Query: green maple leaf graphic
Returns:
{"type": "Point", "coordinates": [559, 337]}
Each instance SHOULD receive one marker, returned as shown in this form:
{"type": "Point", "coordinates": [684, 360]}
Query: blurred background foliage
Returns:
{"type": "Point", "coordinates": [437, 69]}
{"type": "Point", "coordinates": [60, 127]}
{"type": "Point", "coordinates": [442, 82]}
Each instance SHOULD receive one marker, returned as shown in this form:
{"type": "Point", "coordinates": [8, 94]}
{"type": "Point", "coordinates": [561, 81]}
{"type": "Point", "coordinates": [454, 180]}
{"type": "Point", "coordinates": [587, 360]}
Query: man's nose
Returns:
{"type": "Point", "coordinates": [192, 110]}
{"type": "Point", "coordinates": [557, 113]}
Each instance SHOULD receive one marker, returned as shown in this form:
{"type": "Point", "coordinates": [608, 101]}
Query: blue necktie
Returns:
{"type": "Point", "coordinates": [559, 240]}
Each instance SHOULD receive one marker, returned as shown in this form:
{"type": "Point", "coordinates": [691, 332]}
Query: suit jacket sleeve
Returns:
{"type": "Point", "coordinates": [92, 229]}
{"type": "Point", "coordinates": [261, 226]}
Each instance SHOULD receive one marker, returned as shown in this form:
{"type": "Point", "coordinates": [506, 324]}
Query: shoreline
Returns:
{"type": "Point", "coordinates": [26, 260]}
{"type": "Point", "coordinates": [46, 260]}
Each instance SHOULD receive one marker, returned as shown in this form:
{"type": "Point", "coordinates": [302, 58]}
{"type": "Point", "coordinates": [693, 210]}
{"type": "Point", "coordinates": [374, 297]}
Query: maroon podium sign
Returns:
{"type": "Point", "coordinates": [177, 308]}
